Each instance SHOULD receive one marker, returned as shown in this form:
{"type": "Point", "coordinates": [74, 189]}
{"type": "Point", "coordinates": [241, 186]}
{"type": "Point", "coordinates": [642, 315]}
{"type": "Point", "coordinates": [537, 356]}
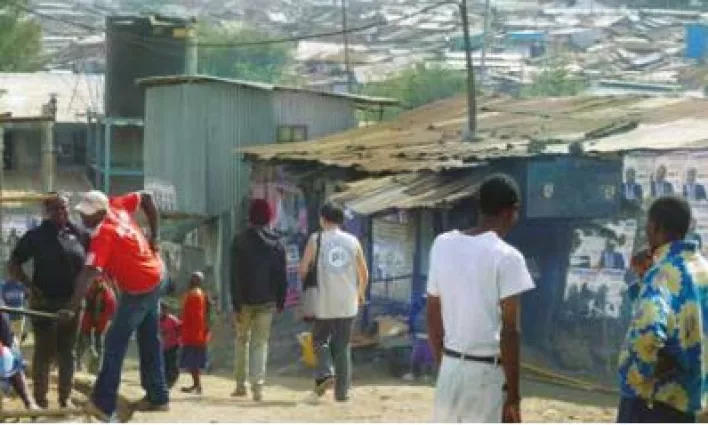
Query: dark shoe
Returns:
{"type": "Point", "coordinates": [324, 384]}
{"type": "Point", "coordinates": [257, 393]}
{"type": "Point", "coordinates": [66, 404]}
{"type": "Point", "coordinates": [192, 390]}
{"type": "Point", "coordinates": [341, 399]}
{"type": "Point", "coordinates": [240, 391]}
{"type": "Point", "coordinates": [146, 405]}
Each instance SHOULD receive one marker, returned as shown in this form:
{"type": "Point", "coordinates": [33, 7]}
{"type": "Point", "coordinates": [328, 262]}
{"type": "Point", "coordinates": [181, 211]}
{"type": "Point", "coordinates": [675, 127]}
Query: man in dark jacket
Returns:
{"type": "Point", "coordinates": [258, 286]}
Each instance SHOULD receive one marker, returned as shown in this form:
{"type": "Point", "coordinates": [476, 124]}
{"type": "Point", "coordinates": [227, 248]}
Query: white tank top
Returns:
{"type": "Point", "coordinates": [337, 276]}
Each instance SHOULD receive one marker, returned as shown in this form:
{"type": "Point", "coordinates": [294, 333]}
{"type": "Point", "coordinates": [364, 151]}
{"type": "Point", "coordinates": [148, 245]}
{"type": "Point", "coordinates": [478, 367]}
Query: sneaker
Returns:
{"type": "Point", "coordinates": [42, 404]}
{"type": "Point", "coordinates": [240, 391]}
{"type": "Point", "coordinates": [409, 377]}
{"type": "Point", "coordinates": [324, 384]}
{"type": "Point", "coordinates": [146, 405]}
{"type": "Point", "coordinates": [93, 411]}
{"type": "Point", "coordinates": [66, 404]}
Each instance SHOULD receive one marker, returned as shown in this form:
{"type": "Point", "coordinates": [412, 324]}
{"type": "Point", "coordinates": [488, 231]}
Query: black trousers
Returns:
{"type": "Point", "coordinates": [53, 341]}
{"type": "Point", "coordinates": [171, 366]}
{"type": "Point", "coordinates": [634, 411]}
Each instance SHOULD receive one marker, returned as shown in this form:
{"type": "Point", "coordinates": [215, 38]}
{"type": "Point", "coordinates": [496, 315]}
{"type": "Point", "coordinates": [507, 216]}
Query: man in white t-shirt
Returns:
{"type": "Point", "coordinates": [474, 284]}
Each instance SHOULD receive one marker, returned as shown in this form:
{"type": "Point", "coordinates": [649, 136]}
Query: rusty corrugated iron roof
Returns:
{"type": "Point", "coordinates": [408, 191]}
{"type": "Point", "coordinates": [430, 138]}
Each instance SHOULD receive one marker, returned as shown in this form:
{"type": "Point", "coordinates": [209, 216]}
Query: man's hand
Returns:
{"type": "Point", "coordinates": [65, 315]}
{"type": "Point", "coordinates": [511, 414]}
{"type": "Point", "coordinates": [154, 244]}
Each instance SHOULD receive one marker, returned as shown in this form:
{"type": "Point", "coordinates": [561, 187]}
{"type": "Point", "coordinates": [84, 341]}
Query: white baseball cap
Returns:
{"type": "Point", "coordinates": [92, 202]}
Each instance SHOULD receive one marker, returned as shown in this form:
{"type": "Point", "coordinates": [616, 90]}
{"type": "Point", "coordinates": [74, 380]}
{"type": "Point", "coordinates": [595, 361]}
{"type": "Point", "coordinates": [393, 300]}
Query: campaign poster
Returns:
{"type": "Point", "coordinates": [599, 262]}
{"type": "Point", "coordinates": [595, 292]}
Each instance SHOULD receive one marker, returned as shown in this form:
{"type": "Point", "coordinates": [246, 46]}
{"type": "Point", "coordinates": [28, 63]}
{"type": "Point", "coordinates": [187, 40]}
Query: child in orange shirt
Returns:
{"type": "Point", "coordinates": [195, 331]}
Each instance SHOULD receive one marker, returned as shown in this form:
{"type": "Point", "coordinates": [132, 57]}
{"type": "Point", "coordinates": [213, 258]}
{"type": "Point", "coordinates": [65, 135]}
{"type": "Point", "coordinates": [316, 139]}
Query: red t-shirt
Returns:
{"type": "Point", "coordinates": [195, 329]}
{"type": "Point", "coordinates": [120, 249]}
{"type": "Point", "coordinates": [170, 329]}
{"type": "Point", "coordinates": [100, 307]}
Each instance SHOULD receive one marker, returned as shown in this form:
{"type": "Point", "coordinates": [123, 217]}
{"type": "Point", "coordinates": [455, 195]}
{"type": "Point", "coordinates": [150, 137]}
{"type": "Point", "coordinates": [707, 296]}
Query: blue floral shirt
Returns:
{"type": "Point", "coordinates": [670, 314]}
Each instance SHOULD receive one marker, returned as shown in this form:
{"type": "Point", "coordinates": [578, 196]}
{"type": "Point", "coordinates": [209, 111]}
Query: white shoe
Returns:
{"type": "Point", "coordinates": [409, 377]}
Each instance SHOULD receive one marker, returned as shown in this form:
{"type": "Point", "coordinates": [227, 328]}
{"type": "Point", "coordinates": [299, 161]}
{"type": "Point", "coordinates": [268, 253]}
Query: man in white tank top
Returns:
{"type": "Point", "coordinates": [342, 276]}
{"type": "Point", "coordinates": [474, 283]}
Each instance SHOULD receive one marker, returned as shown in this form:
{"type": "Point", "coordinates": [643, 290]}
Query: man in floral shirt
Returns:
{"type": "Point", "coordinates": [664, 359]}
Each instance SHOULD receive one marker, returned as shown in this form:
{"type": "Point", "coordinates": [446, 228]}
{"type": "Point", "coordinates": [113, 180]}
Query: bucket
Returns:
{"type": "Point", "coordinates": [307, 349]}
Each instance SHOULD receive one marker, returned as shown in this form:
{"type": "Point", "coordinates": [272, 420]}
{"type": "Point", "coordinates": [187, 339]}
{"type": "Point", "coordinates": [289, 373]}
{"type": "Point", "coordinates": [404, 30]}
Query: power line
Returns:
{"type": "Point", "coordinates": [341, 32]}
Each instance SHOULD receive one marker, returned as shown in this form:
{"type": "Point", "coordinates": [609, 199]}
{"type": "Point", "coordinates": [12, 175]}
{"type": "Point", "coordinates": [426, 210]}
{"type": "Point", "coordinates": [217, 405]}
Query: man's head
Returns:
{"type": "Point", "coordinates": [630, 175]}
{"type": "Point", "coordinates": [660, 173]}
{"type": "Point", "coordinates": [196, 280]}
{"type": "Point", "coordinates": [668, 220]}
{"type": "Point", "coordinates": [500, 201]}
{"type": "Point", "coordinates": [691, 174]}
{"type": "Point", "coordinates": [259, 213]}
{"type": "Point", "coordinates": [56, 209]}
{"type": "Point", "coordinates": [331, 215]}
{"type": "Point", "coordinates": [93, 207]}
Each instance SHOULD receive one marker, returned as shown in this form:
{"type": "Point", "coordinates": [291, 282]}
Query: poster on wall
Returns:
{"type": "Point", "coordinates": [648, 176]}
{"type": "Point", "coordinates": [164, 193]}
{"type": "Point", "coordinates": [392, 265]}
{"type": "Point", "coordinates": [598, 265]}
{"type": "Point", "coordinates": [289, 208]}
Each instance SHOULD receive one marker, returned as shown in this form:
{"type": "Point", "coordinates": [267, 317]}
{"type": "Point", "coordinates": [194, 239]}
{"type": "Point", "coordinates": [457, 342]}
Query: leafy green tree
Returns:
{"type": "Point", "coordinates": [264, 63]}
{"type": "Point", "coordinates": [20, 38]}
{"type": "Point", "coordinates": [419, 85]}
{"type": "Point", "coordinates": [555, 80]}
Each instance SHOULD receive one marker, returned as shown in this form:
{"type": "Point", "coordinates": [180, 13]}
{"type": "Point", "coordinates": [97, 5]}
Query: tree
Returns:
{"type": "Point", "coordinates": [20, 38]}
{"type": "Point", "coordinates": [554, 80]}
{"type": "Point", "coordinates": [419, 85]}
{"type": "Point", "coordinates": [264, 63]}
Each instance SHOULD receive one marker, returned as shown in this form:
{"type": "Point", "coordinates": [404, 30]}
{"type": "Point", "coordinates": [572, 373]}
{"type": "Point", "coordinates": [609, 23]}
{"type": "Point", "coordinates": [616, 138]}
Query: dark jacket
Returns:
{"type": "Point", "coordinates": [259, 270]}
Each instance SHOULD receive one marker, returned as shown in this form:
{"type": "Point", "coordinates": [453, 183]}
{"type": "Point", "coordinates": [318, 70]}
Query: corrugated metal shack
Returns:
{"type": "Point", "coordinates": [192, 126]}
{"type": "Point", "coordinates": [411, 178]}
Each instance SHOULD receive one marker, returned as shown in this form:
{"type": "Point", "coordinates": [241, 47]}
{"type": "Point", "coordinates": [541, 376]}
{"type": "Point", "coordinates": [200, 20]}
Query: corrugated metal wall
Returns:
{"type": "Point", "coordinates": [175, 143]}
{"type": "Point", "coordinates": [322, 115]}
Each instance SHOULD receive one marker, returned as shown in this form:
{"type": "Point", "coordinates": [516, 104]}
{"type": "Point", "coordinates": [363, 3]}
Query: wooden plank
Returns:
{"type": "Point", "coordinates": [41, 413]}
{"type": "Point", "coordinates": [27, 312]}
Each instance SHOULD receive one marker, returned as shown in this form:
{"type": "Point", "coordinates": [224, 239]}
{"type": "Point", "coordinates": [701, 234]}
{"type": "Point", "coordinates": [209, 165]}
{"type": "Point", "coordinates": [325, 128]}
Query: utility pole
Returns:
{"type": "Point", "coordinates": [347, 64]}
{"type": "Point", "coordinates": [485, 34]}
{"type": "Point", "coordinates": [471, 91]}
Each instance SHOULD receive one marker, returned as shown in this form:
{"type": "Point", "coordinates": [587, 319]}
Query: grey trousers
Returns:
{"type": "Point", "coordinates": [331, 338]}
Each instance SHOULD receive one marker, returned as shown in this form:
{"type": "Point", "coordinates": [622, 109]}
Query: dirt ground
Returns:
{"type": "Point", "coordinates": [372, 400]}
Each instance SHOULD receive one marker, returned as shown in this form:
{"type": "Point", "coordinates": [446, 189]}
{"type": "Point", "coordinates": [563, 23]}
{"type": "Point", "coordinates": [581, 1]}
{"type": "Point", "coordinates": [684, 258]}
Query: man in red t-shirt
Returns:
{"type": "Point", "coordinates": [120, 249]}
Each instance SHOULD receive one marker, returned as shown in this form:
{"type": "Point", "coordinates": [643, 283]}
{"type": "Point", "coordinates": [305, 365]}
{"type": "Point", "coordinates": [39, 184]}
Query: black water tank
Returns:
{"type": "Point", "coordinates": [141, 47]}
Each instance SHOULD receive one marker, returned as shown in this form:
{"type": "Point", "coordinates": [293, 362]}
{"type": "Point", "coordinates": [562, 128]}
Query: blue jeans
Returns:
{"type": "Point", "coordinates": [141, 314]}
{"type": "Point", "coordinates": [635, 410]}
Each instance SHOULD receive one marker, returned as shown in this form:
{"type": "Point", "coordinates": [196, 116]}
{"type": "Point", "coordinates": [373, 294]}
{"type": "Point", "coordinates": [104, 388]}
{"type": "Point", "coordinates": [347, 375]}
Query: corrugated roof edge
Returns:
{"type": "Point", "coordinates": [195, 79]}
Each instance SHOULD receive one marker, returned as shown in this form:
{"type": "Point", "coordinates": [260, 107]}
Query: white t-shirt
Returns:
{"type": "Point", "coordinates": [337, 276]}
{"type": "Point", "coordinates": [471, 275]}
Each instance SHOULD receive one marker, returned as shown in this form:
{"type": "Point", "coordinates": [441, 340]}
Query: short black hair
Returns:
{"type": "Point", "coordinates": [672, 215]}
{"type": "Point", "coordinates": [332, 213]}
{"type": "Point", "coordinates": [497, 193]}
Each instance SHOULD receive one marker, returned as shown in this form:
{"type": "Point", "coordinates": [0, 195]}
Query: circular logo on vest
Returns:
{"type": "Point", "coordinates": [337, 257]}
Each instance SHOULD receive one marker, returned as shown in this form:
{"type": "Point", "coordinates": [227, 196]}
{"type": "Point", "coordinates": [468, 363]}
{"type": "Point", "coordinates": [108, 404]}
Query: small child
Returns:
{"type": "Point", "coordinates": [196, 317]}
{"type": "Point", "coordinates": [100, 308]}
{"type": "Point", "coordinates": [422, 362]}
{"type": "Point", "coordinates": [14, 294]}
{"type": "Point", "coordinates": [170, 330]}
{"type": "Point", "coordinates": [12, 365]}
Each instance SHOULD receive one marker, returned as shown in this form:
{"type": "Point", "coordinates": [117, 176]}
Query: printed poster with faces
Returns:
{"type": "Point", "coordinates": [598, 265]}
